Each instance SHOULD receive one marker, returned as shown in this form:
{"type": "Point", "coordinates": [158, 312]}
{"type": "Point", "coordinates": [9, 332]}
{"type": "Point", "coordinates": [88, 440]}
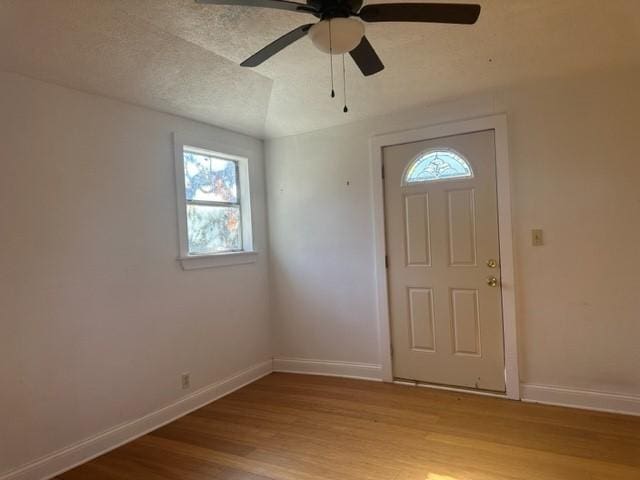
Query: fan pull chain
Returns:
{"type": "Point", "coordinates": [333, 92]}
{"type": "Point", "coordinates": [344, 85]}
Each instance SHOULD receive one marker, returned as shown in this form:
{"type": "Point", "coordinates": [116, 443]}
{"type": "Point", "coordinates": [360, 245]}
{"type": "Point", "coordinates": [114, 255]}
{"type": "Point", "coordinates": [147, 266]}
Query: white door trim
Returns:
{"type": "Point", "coordinates": [498, 123]}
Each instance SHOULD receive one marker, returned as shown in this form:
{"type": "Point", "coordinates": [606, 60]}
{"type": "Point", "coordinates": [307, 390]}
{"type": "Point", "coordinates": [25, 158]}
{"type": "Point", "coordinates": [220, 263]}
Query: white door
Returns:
{"type": "Point", "coordinates": [444, 262]}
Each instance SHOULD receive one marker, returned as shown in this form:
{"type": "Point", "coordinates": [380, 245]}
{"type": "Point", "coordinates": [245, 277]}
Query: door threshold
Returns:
{"type": "Point", "coordinates": [449, 388]}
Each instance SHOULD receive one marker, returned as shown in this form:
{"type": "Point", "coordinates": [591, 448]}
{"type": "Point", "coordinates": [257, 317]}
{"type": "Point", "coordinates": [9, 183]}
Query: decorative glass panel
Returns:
{"type": "Point", "coordinates": [210, 179]}
{"type": "Point", "coordinates": [438, 165]}
{"type": "Point", "coordinates": [213, 229]}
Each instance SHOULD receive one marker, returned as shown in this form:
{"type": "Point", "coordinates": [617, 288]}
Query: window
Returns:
{"type": "Point", "coordinates": [437, 165]}
{"type": "Point", "coordinates": [213, 206]}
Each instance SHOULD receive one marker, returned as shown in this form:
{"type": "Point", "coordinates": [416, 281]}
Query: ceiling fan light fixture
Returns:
{"type": "Point", "coordinates": [342, 36]}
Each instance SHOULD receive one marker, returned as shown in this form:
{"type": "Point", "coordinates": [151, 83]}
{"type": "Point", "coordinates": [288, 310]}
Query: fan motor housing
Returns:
{"type": "Point", "coordinates": [335, 8]}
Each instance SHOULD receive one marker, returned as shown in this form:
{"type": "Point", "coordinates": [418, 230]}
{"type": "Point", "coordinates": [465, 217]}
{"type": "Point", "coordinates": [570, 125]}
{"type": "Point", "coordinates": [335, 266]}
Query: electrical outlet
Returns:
{"type": "Point", "coordinates": [186, 380]}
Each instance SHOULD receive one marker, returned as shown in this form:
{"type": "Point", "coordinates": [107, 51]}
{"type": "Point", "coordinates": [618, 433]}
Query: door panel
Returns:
{"type": "Point", "coordinates": [418, 246]}
{"type": "Point", "coordinates": [461, 205]}
{"type": "Point", "coordinates": [421, 318]}
{"type": "Point", "coordinates": [465, 321]}
{"type": "Point", "coordinates": [446, 320]}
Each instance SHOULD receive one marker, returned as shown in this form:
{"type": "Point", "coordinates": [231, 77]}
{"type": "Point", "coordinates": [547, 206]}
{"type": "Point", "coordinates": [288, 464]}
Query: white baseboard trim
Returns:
{"type": "Point", "coordinates": [76, 454]}
{"type": "Point", "coordinates": [363, 371]}
{"type": "Point", "coordinates": [578, 398]}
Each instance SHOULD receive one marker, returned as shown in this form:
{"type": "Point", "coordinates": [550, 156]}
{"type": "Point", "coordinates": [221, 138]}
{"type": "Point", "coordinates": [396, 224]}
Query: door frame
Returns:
{"type": "Point", "coordinates": [497, 123]}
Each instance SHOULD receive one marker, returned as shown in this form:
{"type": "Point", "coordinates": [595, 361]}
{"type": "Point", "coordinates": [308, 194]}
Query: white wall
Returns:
{"type": "Point", "coordinates": [574, 152]}
{"type": "Point", "coordinates": [97, 319]}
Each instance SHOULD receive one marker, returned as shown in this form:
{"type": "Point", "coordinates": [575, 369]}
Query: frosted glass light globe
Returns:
{"type": "Point", "coordinates": [346, 34]}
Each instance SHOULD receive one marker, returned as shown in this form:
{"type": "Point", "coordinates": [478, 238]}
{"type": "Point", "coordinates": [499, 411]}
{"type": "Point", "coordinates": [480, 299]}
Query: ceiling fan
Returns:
{"type": "Point", "coordinates": [338, 33]}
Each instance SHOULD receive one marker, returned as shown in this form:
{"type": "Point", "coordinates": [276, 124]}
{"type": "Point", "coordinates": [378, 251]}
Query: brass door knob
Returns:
{"type": "Point", "coordinates": [492, 281]}
{"type": "Point", "coordinates": [491, 263]}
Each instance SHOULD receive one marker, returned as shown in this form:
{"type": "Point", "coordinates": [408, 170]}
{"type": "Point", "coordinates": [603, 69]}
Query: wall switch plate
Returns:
{"type": "Point", "coordinates": [186, 380]}
{"type": "Point", "coordinates": [537, 238]}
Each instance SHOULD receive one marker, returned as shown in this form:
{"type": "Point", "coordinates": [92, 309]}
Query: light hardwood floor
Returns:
{"type": "Point", "coordinates": [301, 427]}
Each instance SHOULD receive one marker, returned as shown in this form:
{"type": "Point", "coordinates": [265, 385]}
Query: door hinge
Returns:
{"type": "Point", "coordinates": [391, 349]}
{"type": "Point", "coordinates": [383, 172]}
{"type": "Point", "coordinates": [386, 261]}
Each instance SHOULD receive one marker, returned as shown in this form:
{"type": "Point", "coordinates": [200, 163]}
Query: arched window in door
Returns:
{"type": "Point", "coordinates": [435, 165]}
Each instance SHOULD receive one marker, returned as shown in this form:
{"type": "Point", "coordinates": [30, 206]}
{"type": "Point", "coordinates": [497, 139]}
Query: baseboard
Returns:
{"type": "Point", "coordinates": [364, 371]}
{"type": "Point", "coordinates": [578, 398]}
{"type": "Point", "coordinates": [73, 455]}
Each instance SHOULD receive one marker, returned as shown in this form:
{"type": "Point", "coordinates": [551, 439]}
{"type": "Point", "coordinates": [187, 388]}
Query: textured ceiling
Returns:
{"type": "Point", "coordinates": [180, 57]}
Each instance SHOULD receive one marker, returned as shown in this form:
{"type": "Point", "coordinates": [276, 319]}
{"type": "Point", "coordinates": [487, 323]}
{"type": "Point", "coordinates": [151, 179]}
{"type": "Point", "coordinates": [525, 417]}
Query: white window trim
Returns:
{"type": "Point", "coordinates": [223, 259]}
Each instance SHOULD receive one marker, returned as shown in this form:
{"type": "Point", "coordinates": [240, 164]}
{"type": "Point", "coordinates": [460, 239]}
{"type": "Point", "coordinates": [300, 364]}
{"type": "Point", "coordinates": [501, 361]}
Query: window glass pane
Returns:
{"type": "Point", "coordinates": [439, 165]}
{"type": "Point", "coordinates": [210, 178]}
{"type": "Point", "coordinates": [213, 229]}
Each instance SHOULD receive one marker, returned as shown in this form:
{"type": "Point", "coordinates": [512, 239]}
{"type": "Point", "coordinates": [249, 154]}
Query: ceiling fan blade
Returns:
{"type": "Point", "coordinates": [366, 58]}
{"type": "Point", "coordinates": [277, 45]}
{"type": "Point", "coordinates": [459, 13]}
{"type": "Point", "coordinates": [279, 4]}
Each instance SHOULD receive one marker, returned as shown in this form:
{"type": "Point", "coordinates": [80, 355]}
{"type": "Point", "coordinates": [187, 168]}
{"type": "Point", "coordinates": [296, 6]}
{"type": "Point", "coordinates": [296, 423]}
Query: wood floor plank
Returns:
{"type": "Point", "coordinates": [166, 463]}
{"type": "Point", "coordinates": [302, 427]}
{"type": "Point", "coordinates": [203, 439]}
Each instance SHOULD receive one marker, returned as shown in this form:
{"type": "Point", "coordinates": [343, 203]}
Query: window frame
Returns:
{"type": "Point", "coordinates": [226, 152]}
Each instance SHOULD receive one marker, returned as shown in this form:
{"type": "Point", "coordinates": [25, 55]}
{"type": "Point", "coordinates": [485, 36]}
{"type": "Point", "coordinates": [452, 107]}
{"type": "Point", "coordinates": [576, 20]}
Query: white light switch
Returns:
{"type": "Point", "coordinates": [536, 238]}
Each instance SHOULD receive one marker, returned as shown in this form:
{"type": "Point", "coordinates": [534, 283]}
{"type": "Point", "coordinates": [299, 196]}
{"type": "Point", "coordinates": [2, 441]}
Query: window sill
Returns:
{"type": "Point", "coordinates": [196, 262]}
